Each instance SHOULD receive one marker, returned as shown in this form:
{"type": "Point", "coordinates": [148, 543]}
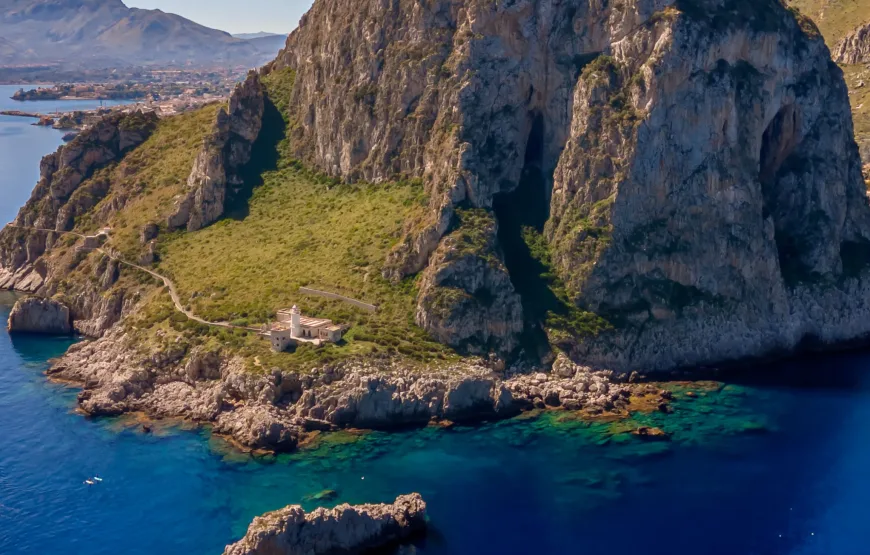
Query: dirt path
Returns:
{"type": "Point", "coordinates": [173, 292]}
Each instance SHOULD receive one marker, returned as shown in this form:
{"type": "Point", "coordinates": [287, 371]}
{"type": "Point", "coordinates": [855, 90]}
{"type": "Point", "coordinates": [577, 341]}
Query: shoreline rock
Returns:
{"type": "Point", "coordinates": [275, 411]}
{"type": "Point", "coordinates": [37, 315]}
{"type": "Point", "coordinates": [345, 529]}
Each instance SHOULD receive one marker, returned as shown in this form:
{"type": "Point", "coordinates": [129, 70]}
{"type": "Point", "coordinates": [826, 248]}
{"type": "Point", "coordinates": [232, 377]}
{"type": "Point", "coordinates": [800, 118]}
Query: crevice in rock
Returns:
{"type": "Point", "coordinates": [526, 208]}
{"type": "Point", "coordinates": [778, 143]}
{"type": "Point", "coordinates": [265, 154]}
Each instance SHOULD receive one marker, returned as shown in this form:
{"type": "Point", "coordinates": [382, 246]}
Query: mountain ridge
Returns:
{"type": "Point", "coordinates": [104, 33]}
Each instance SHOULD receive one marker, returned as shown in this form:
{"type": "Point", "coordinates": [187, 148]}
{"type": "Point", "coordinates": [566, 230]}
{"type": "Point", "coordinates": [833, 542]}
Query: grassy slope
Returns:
{"type": "Point", "coordinates": [835, 18]}
{"type": "Point", "coordinates": [297, 229]}
{"type": "Point", "coordinates": [859, 96]}
{"type": "Point", "coordinates": [150, 177]}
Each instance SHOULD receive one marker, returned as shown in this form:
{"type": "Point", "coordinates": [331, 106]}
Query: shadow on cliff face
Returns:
{"type": "Point", "coordinates": [265, 154]}
{"type": "Point", "coordinates": [525, 209]}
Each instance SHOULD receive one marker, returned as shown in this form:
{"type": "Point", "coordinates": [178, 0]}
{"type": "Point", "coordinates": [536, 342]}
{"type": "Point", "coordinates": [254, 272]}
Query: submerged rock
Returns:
{"type": "Point", "coordinates": [36, 315]}
{"type": "Point", "coordinates": [649, 432]}
{"type": "Point", "coordinates": [345, 529]}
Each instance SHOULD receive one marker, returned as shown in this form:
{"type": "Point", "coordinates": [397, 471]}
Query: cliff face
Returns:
{"type": "Point", "coordinates": [67, 189]}
{"type": "Point", "coordinates": [703, 188]}
{"type": "Point", "coordinates": [709, 202]}
{"type": "Point", "coordinates": [223, 153]}
{"type": "Point", "coordinates": [855, 48]}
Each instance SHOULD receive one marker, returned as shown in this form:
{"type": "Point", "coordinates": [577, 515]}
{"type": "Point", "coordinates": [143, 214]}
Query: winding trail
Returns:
{"type": "Point", "coordinates": [173, 292]}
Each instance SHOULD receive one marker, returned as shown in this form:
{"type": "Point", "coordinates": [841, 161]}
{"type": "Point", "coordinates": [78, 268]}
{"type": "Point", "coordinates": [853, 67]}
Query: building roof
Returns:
{"type": "Point", "coordinates": [314, 322]}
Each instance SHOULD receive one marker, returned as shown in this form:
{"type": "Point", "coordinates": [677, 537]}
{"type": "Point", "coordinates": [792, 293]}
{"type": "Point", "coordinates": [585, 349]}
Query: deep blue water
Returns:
{"type": "Point", "coordinates": [750, 470]}
{"type": "Point", "coordinates": [22, 146]}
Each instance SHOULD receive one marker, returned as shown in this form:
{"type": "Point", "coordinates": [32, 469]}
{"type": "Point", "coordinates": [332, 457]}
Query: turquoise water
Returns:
{"type": "Point", "coordinates": [750, 469]}
{"type": "Point", "coordinates": [22, 146]}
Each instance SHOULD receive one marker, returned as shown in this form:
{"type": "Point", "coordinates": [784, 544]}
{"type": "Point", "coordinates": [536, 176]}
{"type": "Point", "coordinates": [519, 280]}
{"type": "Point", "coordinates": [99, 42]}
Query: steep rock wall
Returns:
{"type": "Point", "coordinates": [710, 202]}
{"type": "Point", "coordinates": [705, 189]}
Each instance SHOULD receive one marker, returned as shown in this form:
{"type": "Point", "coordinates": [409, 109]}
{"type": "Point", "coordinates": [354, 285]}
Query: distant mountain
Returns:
{"type": "Point", "coordinates": [260, 35]}
{"type": "Point", "coordinates": [102, 33]}
{"type": "Point", "coordinates": [269, 43]}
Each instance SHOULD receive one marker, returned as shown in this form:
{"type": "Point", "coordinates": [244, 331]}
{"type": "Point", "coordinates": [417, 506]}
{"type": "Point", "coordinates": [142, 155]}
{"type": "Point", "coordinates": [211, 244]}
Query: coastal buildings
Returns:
{"type": "Point", "coordinates": [293, 328]}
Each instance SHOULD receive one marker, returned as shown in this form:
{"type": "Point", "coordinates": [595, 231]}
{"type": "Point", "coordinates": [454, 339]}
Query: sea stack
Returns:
{"type": "Point", "coordinates": [345, 529]}
{"type": "Point", "coordinates": [37, 315]}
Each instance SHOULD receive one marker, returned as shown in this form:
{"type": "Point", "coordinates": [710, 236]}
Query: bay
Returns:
{"type": "Point", "coordinates": [750, 469]}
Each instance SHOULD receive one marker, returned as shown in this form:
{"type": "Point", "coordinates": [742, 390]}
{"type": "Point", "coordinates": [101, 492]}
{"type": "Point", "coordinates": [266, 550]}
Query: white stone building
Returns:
{"type": "Point", "coordinates": [293, 328]}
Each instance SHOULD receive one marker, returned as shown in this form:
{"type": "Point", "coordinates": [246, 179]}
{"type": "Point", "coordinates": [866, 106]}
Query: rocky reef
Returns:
{"type": "Point", "coordinates": [224, 152]}
{"type": "Point", "coordinates": [344, 529]}
{"type": "Point", "coordinates": [704, 190]}
{"type": "Point", "coordinates": [855, 47]}
{"type": "Point", "coordinates": [36, 315]}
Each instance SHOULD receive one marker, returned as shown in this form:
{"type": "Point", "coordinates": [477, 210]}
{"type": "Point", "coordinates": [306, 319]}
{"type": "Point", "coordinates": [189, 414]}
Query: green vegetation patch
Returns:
{"type": "Point", "coordinates": [835, 18]}
{"type": "Point", "coordinates": [302, 229]}
{"type": "Point", "coordinates": [563, 319]}
{"type": "Point", "coordinates": [148, 179]}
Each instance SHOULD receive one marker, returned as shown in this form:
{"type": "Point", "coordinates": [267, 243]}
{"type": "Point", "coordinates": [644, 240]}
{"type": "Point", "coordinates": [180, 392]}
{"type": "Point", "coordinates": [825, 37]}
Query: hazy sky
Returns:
{"type": "Point", "coordinates": [234, 16]}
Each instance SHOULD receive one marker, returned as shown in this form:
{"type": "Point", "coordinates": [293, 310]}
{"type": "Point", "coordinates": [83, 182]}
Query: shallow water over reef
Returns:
{"type": "Point", "coordinates": [766, 470]}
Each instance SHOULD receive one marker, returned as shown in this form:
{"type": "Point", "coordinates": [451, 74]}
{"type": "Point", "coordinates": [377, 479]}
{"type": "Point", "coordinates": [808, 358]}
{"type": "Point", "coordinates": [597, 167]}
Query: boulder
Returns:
{"type": "Point", "coordinates": [345, 529]}
{"type": "Point", "coordinates": [37, 315]}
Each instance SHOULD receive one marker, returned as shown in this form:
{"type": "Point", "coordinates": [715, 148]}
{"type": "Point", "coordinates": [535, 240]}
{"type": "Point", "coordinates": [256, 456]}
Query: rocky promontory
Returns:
{"type": "Point", "coordinates": [345, 529]}
{"type": "Point", "coordinates": [223, 153]}
{"type": "Point", "coordinates": [36, 315]}
{"type": "Point", "coordinates": [276, 409]}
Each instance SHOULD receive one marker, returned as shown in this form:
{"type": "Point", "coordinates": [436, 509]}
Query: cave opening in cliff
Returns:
{"type": "Point", "coordinates": [777, 146]}
{"type": "Point", "coordinates": [521, 215]}
{"type": "Point", "coordinates": [264, 157]}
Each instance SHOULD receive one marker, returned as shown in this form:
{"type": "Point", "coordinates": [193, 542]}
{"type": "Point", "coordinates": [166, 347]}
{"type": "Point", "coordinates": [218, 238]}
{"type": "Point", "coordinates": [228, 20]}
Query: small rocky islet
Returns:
{"type": "Point", "coordinates": [593, 195]}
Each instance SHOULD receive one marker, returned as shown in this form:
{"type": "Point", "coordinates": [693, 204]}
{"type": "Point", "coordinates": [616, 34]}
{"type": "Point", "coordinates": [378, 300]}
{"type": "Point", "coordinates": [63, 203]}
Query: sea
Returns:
{"type": "Point", "coordinates": [774, 461]}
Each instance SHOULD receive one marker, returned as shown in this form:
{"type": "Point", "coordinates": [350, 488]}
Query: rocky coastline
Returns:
{"type": "Point", "coordinates": [275, 410]}
{"type": "Point", "coordinates": [344, 529]}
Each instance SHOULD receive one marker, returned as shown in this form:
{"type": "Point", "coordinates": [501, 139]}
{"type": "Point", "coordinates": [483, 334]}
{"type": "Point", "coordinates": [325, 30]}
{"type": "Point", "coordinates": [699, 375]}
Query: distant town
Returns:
{"type": "Point", "coordinates": [164, 91]}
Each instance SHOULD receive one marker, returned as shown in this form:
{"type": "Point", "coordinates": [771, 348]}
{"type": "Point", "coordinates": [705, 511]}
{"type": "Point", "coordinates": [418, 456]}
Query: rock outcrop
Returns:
{"type": "Point", "coordinates": [57, 199]}
{"type": "Point", "coordinates": [855, 48]}
{"type": "Point", "coordinates": [36, 315]}
{"type": "Point", "coordinates": [704, 187]}
{"type": "Point", "coordinates": [63, 193]}
{"type": "Point", "coordinates": [345, 529]}
{"type": "Point", "coordinates": [466, 297]}
{"type": "Point", "coordinates": [222, 155]}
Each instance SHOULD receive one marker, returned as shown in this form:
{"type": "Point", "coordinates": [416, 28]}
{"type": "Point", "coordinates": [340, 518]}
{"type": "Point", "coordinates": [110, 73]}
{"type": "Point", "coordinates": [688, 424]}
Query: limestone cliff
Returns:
{"type": "Point", "coordinates": [703, 188]}
{"type": "Point", "coordinates": [69, 187]}
{"type": "Point", "coordinates": [344, 529]}
{"type": "Point", "coordinates": [224, 152]}
{"type": "Point", "coordinates": [855, 47]}
{"type": "Point", "coordinates": [35, 315]}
